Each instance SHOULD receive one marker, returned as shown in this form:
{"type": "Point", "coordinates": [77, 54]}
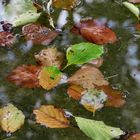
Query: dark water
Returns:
{"type": "Point", "coordinates": [122, 58]}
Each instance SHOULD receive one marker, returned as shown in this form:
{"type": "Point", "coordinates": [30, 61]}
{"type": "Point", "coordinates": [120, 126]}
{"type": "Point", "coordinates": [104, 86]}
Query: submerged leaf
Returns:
{"type": "Point", "coordinates": [19, 12]}
{"type": "Point", "coordinates": [75, 92]}
{"type": "Point", "coordinates": [93, 99]}
{"type": "Point", "coordinates": [11, 119]}
{"type": "Point", "coordinates": [83, 53]}
{"type": "Point", "coordinates": [6, 39]}
{"type": "Point", "coordinates": [88, 77]}
{"type": "Point", "coordinates": [38, 34]}
{"type": "Point", "coordinates": [49, 77]}
{"type": "Point", "coordinates": [25, 76]}
{"type": "Point", "coordinates": [94, 32]}
{"type": "Point", "coordinates": [134, 9]}
{"type": "Point", "coordinates": [51, 117]}
{"type": "Point", "coordinates": [97, 130]}
{"type": "Point", "coordinates": [50, 57]}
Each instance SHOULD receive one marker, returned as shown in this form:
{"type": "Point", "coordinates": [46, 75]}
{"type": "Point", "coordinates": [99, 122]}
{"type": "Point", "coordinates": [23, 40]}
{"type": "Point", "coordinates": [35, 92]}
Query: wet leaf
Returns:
{"type": "Point", "coordinates": [87, 77]}
{"type": "Point", "coordinates": [134, 1]}
{"type": "Point", "coordinates": [134, 137]}
{"type": "Point", "coordinates": [65, 4]}
{"type": "Point", "coordinates": [93, 99]}
{"type": "Point", "coordinates": [134, 9]}
{"type": "Point", "coordinates": [19, 12]}
{"type": "Point", "coordinates": [83, 52]}
{"type": "Point", "coordinates": [94, 32]}
{"type": "Point", "coordinates": [39, 34]}
{"type": "Point", "coordinates": [6, 39]}
{"type": "Point", "coordinates": [97, 130]}
{"type": "Point", "coordinates": [51, 117]}
{"type": "Point", "coordinates": [49, 77]}
{"type": "Point", "coordinates": [25, 76]}
{"type": "Point", "coordinates": [50, 57]}
{"type": "Point", "coordinates": [75, 92]}
{"type": "Point", "coordinates": [11, 119]}
{"type": "Point", "coordinates": [115, 97]}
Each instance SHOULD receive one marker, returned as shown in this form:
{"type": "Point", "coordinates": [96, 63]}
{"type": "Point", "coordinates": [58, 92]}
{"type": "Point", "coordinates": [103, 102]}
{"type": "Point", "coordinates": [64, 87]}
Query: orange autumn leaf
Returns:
{"type": "Point", "coordinates": [25, 76]}
{"type": "Point", "coordinates": [51, 117]}
{"type": "Point", "coordinates": [75, 92]}
{"type": "Point", "coordinates": [115, 97]}
{"type": "Point", "coordinates": [49, 77]}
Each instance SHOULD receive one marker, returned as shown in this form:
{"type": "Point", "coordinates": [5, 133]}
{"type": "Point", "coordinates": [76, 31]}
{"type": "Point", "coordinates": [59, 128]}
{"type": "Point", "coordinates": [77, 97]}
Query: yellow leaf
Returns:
{"type": "Point", "coordinates": [51, 117]}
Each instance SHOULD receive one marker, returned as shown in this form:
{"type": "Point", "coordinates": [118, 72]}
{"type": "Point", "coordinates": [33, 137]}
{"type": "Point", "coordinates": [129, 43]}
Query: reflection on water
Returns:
{"type": "Point", "coordinates": [122, 59]}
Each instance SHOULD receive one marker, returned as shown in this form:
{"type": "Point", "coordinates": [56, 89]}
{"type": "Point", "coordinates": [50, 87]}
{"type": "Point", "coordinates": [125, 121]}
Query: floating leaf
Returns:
{"type": "Point", "coordinates": [97, 130]}
{"type": "Point", "coordinates": [51, 117]}
{"type": "Point", "coordinates": [94, 32]}
{"type": "Point", "coordinates": [6, 39]}
{"type": "Point", "coordinates": [115, 97]}
{"type": "Point", "coordinates": [11, 119]}
{"type": "Point", "coordinates": [75, 92]}
{"type": "Point", "coordinates": [25, 76]}
{"type": "Point", "coordinates": [134, 9]}
{"type": "Point", "coordinates": [50, 57]}
{"type": "Point", "coordinates": [19, 12]}
{"type": "Point", "coordinates": [49, 77]}
{"type": "Point", "coordinates": [83, 53]}
{"type": "Point", "coordinates": [93, 99]}
{"type": "Point", "coordinates": [38, 34]}
{"type": "Point", "coordinates": [87, 77]}
{"type": "Point", "coordinates": [65, 4]}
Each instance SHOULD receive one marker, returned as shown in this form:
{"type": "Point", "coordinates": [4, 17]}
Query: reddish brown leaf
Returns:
{"type": "Point", "coordinates": [137, 26]}
{"type": "Point", "coordinates": [134, 1]}
{"type": "Point", "coordinates": [51, 117]}
{"type": "Point", "coordinates": [75, 92]}
{"type": "Point", "coordinates": [115, 97]}
{"type": "Point", "coordinates": [87, 77]}
{"type": "Point", "coordinates": [94, 32]}
{"type": "Point", "coordinates": [25, 76]}
{"type": "Point", "coordinates": [134, 137]}
{"type": "Point", "coordinates": [6, 39]}
{"type": "Point", "coordinates": [39, 34]}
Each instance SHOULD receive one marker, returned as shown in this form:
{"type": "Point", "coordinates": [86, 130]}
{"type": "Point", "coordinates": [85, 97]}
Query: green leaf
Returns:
{"type": "Point", "coordinates": [11, 119]}
{"type": "Point", "coordinates": [83, 53]}
{"type": "Point", "coordinates": [19, 12]}
{"type": "Point", "coordinates": [97, 130]}
{"type": "Point", "coordinates": [134, 9]}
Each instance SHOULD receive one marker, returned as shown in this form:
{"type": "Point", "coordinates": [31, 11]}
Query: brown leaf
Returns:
{"type": "Point", "coordinates": [115, 97]}
{"type": "Point", "coordinates": [25, 76]}
{"type": "Point", "coordinates": [6, 39]}
{"type": "Point", "coordinates": [97, 62]}
{"type": "Point", "coordinates": [65, 4]}
{"type": "Point", "coordinates": [39, 34]}
{"type": "Point", "coordinates": [134, 1]}
{"type": "Point", "coordinates": [94, 32]}
{"type": "Point", "coordinates": [51, 117]}
{"type": "Point", "coordinates": [50, 57]}
{"type": "Point", "coordinates": [75, 92]}
{"type": "Point", "coordinates": [137, 27]}
{"type": "Point", "coordinates": [87, 77]}
{"type": "Point", "coordinates": [49, 77]}
{"type": "Point", "coordinates": [134, 137]}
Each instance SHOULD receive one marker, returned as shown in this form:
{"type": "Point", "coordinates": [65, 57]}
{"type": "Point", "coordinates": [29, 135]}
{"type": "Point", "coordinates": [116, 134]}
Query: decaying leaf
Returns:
{"type": "Point", "coordinates": [115, 97]}
{"type": "Point", "coordinates": [11, 119]}
{"type": "Point", "coordinates": [51, 117]}
{"type": "Point", "coordinates": [93, 99]}
{"type": "Point", "coordinates": [39, 34]}
{"type": "Point", "coordinates": [135, 136]}
{"type": "Point", "coordinates": [6, 39]}
{"type": "Point", "coordinates": [134, 1]}
{"type": "Point", "coordinates": [25, 76]}
{"type": "Point", "coordinates": [75, 91]}
{"type": "Point", "coordinates": [50, 57]}
{"type": "Point", "coordinates": [93, 32]}
{"type": "Point", "coordinates": [65, 4]}
{"type": "Point", "coordinates": [49, 77]}
{"type": "Point", "coordinates": [87, 77]}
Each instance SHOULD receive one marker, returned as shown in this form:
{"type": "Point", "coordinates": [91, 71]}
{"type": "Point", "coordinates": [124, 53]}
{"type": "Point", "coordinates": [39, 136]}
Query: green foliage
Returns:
{"type": "Point", "coordinates": [97, 130]}
{"type": "Point", "coordinates": [83, 52]}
